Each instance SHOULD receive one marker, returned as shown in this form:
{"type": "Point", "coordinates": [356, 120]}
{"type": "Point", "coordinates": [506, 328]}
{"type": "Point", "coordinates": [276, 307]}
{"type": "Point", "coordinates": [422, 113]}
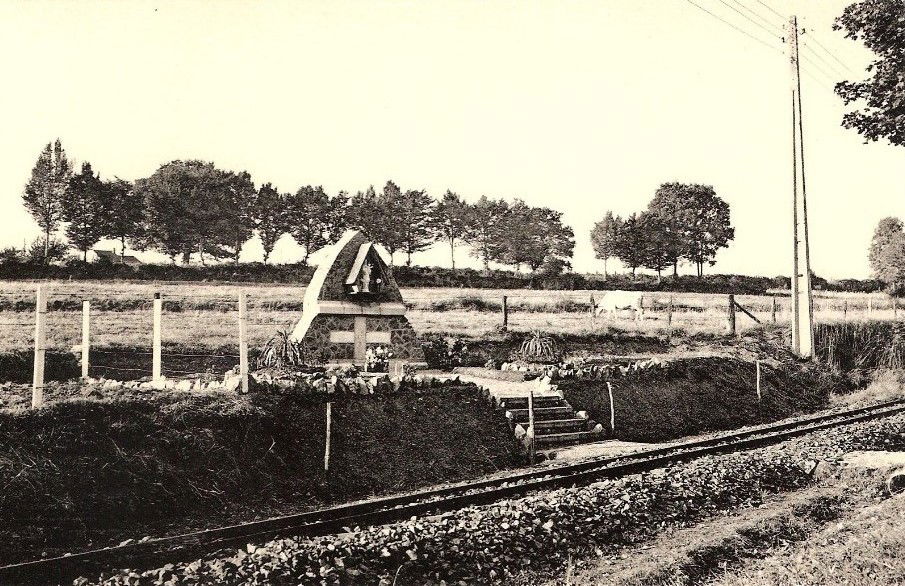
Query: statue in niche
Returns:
{"type": "Point", "coordinates": [365, 283]}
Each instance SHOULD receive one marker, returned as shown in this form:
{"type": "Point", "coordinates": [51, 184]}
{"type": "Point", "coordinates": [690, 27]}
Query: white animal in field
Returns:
{"type": "Point", "coordinates": [614, 301]}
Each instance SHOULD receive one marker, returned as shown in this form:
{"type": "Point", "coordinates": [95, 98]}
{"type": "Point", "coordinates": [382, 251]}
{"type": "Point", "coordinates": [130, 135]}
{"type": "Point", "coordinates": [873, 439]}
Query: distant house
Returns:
{"type": "Point", "coordinates": [109, 256]}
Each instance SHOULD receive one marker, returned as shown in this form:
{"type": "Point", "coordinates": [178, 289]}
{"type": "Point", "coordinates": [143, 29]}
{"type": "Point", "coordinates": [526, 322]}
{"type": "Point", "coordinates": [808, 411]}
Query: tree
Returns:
{"type": "Point", "coordinates": [631, 242]}
{"type": "Point", "coordinates": [518, 238]}
{"type": "Point", "coordinates": [880, 25]}
{"type": "Point", "coordinates": [559, 238]}
{"type": "Point", "coordinates": [378, 216]}
{"type": "Point", "coordinates": [532, 236]}
{"type": "Point", "coordinates": [675, 213]}
{"type": "Point", "coordinates": [709, 228]}
{"type": "Point", "coordinates": [386, 225]}
{"type": "Point", "coordinates": [416, 228]}
{"type": "Point", "coordinates": [450, 221]}
{"type": "Point", "coordinates": [337, 217]}
{"type": "Point", "coordinates": [234, 222]}
{"type": "Point", "coordinates": [43, 195]}
{"type": "Point", "coordinates": [485, 226]}
{"type": "Point", "coordinates": [42, 252]}
{"type": "Point", "coordinates": [123, 213]}
{"type": "Point", "coordinates": [697, 219]}
{"type": "Point", "coordinates": [658, 249]}
{"type": "Point", "coordinates": [270, 217]}
{"type": "Point", "coordinates": [887, 252]}
{"type": "Point", "coordinates": [363, 213]}
{"type": "Point", "coordinates": [83, 207]}
{"type": "Point", "coordinates": [308, 212]}
{"type": "Point", "coordinates": [180, 207]}
{"type": "Point", "coordinates": [603, 238]}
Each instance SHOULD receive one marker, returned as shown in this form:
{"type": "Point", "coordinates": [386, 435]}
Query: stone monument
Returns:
{"type": "Point", "coordinates": [352, 303]}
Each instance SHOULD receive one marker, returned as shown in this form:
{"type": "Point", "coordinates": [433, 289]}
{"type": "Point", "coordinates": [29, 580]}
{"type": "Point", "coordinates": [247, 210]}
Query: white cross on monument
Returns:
{"type": "Point", "coordinates": [360, 336]}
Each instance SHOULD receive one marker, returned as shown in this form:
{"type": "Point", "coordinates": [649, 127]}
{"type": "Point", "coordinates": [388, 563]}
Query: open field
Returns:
{"type": "Point", "coordinates": [200, 315]}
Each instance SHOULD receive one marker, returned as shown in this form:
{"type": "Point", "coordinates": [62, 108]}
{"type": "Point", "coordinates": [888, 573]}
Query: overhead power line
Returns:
{"type": "Point", "coordinates": [833, 67]}
{"type": "Point", "coordinates": [828, 52]}
{"type": "Point", "coordinates": [748, 18]}
{"type": "Point", "coordinates": [818, 80]}
{"type": "Point", "coordinates": [770, 8]}
{"type": "Point", "coordinates": [773, 28]}
{"type": "Point", "coordinates": [817, 66]}
{"type": "Point", "coordinates": [727, 23]}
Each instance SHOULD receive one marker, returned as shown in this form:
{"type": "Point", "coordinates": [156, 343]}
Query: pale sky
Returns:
{"type": "Point", "coordinates": [579, 106]}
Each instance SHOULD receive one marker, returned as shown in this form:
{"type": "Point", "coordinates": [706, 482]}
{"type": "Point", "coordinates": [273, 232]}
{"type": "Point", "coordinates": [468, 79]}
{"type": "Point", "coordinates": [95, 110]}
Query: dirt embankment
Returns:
{"type": "Point", "coordinates": [83, 472]}
{"type": "Point", "coordinates": [696, 395]}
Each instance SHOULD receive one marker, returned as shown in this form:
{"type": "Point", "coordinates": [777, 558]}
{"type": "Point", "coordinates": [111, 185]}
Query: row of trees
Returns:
{"type": "Point", "coordinates": [92, 209]}
{"type": "Point", "coordinates": [188, 208]}
{"type": "Point", "coordinates": [682, 222]}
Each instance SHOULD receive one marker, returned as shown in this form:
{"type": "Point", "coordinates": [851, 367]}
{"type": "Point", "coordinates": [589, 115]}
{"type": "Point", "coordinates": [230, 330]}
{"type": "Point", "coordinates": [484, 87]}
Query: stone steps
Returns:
{"type": "Point", "coordinates": [550, 440]}
{"type": "Point", "coordinates": [555, 421]}
{"type": "Point", "coordinates": [540, 414]}
{"type": "Point", "coordinates": [558, 426]}
{"type": "Point", "coordinates": [542, 401]}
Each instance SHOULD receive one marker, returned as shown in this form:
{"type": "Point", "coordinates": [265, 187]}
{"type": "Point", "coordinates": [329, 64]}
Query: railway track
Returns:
{"type": "Point", "coordinates": [388, 509]}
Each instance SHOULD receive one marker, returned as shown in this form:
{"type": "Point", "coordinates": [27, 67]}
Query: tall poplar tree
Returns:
{"type": "Point", "coordinates": [43, 195]}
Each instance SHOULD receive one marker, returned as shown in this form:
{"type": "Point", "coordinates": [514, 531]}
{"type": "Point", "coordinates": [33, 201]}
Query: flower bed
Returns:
{"type": "Point", "coordinates": [586, 369]}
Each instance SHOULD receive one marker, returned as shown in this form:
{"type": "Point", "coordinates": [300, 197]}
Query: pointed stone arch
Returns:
{"type": "Point", "coordinates": [353, 302]}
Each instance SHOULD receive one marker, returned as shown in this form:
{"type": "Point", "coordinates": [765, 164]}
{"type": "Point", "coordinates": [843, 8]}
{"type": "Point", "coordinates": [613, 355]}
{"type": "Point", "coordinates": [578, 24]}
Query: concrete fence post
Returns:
{"type": "Point", "coordinates": [757, 366]}
{"type": "Point", "coordinates": [505, 313]}
{"type": "Point", "coordinates": [327, 442]}
{"type": "Point", "coordinates": [609, 390]}
{"type": "Point", "coordinates": [773, 309]}
{"type": "Point", "coordinates": [155, 350]}
{"type": "Point", "coordinates": [86, 336]}
{"type": "Point", "coordinates": [37, 387]}
{"type": "Point", "coordinates": [243, 342]}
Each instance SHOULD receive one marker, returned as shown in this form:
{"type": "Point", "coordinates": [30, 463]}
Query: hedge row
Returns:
{"type": "Point", "coordinates": [423, 277]}
{"type": "Point", "coordinates": [492, 544]}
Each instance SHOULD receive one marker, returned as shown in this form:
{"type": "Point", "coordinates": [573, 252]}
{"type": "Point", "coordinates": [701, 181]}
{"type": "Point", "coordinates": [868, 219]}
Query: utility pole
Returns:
{"type": "Point", "coordinates": [802, 298]}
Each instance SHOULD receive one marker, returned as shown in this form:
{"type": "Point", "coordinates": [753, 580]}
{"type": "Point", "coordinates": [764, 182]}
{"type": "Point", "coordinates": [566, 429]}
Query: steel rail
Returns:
{"type": "Point", "coordinates": [392, 508]}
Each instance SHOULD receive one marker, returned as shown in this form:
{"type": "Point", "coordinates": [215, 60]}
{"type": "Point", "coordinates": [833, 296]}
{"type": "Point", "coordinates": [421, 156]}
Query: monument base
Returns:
{"type": "Point", "coordinates": [346, 338]}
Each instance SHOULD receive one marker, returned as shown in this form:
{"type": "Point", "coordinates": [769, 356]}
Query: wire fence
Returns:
{"type": "Point", "coordinates": [200, 333]}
